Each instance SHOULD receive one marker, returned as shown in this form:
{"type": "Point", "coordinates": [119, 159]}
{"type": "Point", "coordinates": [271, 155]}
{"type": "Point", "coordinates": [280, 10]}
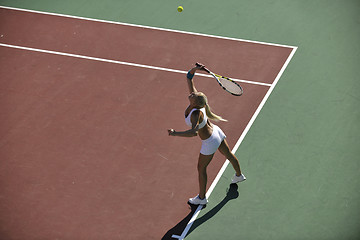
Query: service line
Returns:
{"type": "Point", "coordinates": [121, 62]}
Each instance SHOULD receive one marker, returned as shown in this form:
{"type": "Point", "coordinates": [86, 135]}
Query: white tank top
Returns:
{"type": "Point", "coordinates": [202, 124]}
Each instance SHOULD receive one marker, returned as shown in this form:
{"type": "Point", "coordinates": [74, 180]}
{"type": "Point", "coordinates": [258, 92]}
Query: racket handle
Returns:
{"type": "Point", "coordinates": [202, 67]}
{"type": "Point", "coordinates": [206, 70]}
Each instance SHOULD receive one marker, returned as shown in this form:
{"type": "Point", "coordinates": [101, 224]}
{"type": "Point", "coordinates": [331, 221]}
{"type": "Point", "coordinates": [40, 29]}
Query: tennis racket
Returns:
{"type": "Point", "coordinates": [225, 83]}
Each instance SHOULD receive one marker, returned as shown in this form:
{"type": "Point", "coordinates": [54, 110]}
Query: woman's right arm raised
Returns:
{"type": "Point", "coordinates": [190, 76]}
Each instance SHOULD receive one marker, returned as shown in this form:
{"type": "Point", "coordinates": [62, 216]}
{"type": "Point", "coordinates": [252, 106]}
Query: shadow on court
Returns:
{"type": "Point", "coordinates": [232, 193]}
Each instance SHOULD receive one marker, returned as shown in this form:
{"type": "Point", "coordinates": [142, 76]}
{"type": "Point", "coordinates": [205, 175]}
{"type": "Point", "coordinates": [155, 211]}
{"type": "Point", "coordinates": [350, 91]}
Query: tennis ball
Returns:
{"type": "Point", "coordinates": [180, 8]}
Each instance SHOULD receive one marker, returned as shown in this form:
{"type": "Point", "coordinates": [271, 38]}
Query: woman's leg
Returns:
{"type": "Point", "coordinates": [224, 149]}
{"type": "Point", "coordinates": [203, 162]}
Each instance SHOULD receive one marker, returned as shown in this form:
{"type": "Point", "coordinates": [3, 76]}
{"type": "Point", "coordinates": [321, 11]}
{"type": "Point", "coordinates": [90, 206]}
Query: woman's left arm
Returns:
{"type": "Point", "coordinates": [189, 133]}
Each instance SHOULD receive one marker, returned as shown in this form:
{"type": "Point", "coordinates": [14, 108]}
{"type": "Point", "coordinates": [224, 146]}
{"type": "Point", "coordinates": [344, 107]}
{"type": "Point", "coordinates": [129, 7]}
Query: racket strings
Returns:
{"type": "Point", "coordinates": [230, 86]}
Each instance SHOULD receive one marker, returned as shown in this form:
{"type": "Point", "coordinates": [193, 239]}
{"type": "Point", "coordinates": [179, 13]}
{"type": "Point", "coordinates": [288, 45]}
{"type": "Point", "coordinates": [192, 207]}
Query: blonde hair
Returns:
{"type": "Point", "coordinates": [201, 99]}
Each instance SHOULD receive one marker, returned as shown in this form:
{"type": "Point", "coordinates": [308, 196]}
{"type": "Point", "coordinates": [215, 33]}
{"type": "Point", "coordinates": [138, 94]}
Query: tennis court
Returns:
{"type": "Point", "coordinates": [86, 101]}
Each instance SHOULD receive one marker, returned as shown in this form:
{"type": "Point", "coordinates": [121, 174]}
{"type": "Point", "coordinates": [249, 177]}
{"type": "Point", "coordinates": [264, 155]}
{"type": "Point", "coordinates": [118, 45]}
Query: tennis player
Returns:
{"type": "Point", "coordinates": [197, 116]}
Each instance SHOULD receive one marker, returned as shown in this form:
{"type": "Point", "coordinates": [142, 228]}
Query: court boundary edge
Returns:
{"type": "Point", "coordinates": [272, 86]}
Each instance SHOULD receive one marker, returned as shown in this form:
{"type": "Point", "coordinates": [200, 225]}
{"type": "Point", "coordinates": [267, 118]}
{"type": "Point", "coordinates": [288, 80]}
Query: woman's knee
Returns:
{"type": "Point", "coordinates": [201, 167]}
{"type": "Point", "coordinates": [203, 162]}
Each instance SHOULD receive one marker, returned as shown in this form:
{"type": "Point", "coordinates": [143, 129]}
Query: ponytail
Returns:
{"type": "Point", "coordinates": [212, 115]}
{"type": "Point", "coordinates": [202, 101]}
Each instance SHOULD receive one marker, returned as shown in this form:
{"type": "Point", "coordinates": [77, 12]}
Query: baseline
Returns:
{"type": "Point", "coordinates": [147, 27]}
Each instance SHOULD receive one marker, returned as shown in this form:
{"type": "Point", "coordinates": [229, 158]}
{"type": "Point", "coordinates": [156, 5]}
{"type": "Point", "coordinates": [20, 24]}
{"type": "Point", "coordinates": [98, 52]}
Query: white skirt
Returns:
{"type": "Point", "coordinates": [211, 144]}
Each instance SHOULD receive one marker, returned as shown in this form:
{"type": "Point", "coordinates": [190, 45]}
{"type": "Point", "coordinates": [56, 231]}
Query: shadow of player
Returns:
{"type": "Point", "coordinates": [232, 193]}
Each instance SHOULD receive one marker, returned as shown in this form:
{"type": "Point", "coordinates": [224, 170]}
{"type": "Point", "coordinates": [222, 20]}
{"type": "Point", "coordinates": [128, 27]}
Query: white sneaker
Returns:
{"type": "Point", "coordinates": [197, 201]}
{"type": "Point", "coordinates": [237, 179]}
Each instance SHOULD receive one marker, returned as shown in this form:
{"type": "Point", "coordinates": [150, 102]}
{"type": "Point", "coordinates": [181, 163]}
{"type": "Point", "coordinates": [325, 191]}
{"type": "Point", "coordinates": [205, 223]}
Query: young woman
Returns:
{"type": "Point", "coordinates": [197, 116]}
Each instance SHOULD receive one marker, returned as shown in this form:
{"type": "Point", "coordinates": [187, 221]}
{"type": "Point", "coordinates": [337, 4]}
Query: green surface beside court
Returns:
{"type": "Point", "coordinates": [301, 156]}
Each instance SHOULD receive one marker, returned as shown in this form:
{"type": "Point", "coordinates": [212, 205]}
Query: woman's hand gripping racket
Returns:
{"type": "Point", "coordinates": [227, 84]}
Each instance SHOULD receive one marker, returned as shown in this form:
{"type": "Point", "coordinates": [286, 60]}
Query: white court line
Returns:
{"type": "Point", "coordinates": [121, 62]}
{"type": "Point", "coordinates": [143, 26]}
{"type": "Point", "coordinates": [226, 163]}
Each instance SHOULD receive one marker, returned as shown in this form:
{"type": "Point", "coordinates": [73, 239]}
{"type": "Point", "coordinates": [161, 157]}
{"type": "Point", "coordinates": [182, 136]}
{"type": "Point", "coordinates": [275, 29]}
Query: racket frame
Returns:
{"type": "Point", "coordinates": [216, 76]}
